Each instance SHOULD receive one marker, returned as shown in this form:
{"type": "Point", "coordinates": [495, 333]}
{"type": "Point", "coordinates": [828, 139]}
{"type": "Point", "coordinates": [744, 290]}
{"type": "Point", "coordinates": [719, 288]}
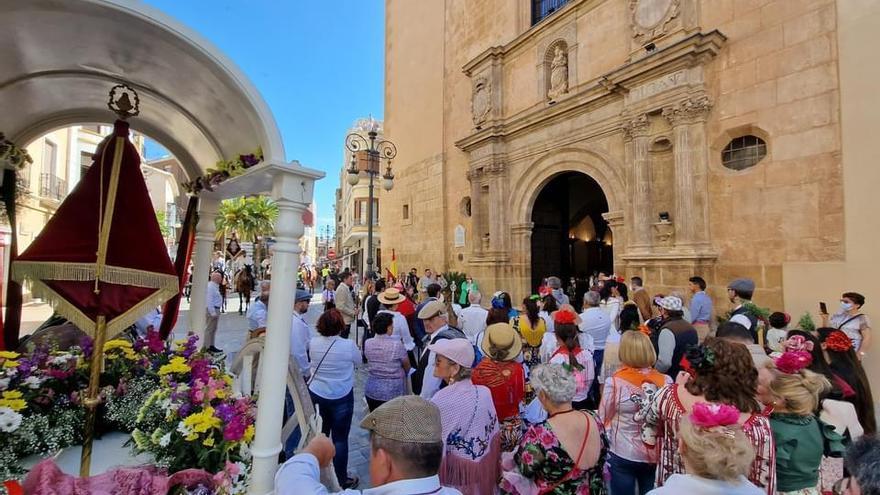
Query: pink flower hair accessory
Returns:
{"type": "Point", "coordinates": [706, 415]}
{"type": "Point", "coordinates": [798, 343]}
{"type": "Point", "coordinates": [791, 362]}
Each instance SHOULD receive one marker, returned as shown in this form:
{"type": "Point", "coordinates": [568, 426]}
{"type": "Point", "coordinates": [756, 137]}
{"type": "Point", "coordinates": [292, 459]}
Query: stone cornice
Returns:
{"type": "Point", "coordinates": [688, 110]}
{"type": "Point", "coordinates": [693, 50]}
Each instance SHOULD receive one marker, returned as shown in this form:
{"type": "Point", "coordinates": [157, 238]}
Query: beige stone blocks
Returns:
{"type": "Point", "coordinates": [806, 83]}
{"type": "Point", "coordinates": [809, 25]}
{"type": "Point", "coordinates": [803, 144]}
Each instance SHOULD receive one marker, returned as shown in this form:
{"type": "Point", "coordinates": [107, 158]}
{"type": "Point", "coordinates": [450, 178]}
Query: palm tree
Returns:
{"type": "Point", "coordinates": [249, 217]}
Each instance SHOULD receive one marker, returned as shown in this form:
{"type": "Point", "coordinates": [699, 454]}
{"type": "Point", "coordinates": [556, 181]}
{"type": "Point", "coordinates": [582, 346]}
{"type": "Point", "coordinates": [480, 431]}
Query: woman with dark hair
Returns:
{"type": "Point", "coordinates": [497, 315]}
{"type": "Point", "coordinates": [843, 361]}
{"type": "Point", "coordinates": [531, 328]}
{"type": "Point", "coordinates": [612, 303]}
{"type": "Point", "coordinates": [333, 360]}
{"type": "Point", "coordinates": [570, 354]}
{"type": "Point", "coordinates": [388, 363]}
{"type": "Point", "coordinates": [548, 307]}
{"type": "Point", "coordinates": [718, 372]}
{"type": "Point", "coordinates": [501, 300]}
{"type": "Point", "coordinates": [800, 340]}
{"type": "Point", "coordinates": [852, 322]}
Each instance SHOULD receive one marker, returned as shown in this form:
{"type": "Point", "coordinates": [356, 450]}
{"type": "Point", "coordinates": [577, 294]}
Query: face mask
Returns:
{"type": "Point", "coordinates": [846, 306]}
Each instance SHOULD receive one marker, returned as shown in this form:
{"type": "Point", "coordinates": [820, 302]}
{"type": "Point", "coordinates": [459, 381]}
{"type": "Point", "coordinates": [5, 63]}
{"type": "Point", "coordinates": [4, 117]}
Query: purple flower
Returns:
{"type": "Point", "coordinates": [87, 344]}
{"type": "Point", "coordinates": [138, 345]}
{"type": "Point", "coordinates": [155, 342]}
{"type": "Point", "coordinates": [249, 160]}
{"type": "Point", "coordinates": [201, 370]}
{"type": "Point", "coordinates": [234, 430]}
{"type": "Point", "coordinates": [184, 410]}
{"type": "Point", "coordinates": [225, 412]}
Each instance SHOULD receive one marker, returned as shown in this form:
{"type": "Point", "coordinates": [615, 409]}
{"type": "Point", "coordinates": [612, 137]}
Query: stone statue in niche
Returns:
{"type": "Point", "coordinates": [558, 74]}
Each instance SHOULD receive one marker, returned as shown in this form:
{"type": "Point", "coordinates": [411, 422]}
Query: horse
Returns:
{"type": "Point", "coordinates": [244, 284]}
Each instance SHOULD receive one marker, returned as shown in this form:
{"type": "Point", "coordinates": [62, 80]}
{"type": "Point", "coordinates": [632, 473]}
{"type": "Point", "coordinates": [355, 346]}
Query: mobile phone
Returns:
{"type": "Point", "coordinates": [823, 309]}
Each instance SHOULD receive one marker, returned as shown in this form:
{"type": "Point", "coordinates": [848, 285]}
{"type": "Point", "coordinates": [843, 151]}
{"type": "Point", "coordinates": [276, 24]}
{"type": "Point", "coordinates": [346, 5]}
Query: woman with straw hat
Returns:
{"type": "Point", "coordinates": [505, 378]}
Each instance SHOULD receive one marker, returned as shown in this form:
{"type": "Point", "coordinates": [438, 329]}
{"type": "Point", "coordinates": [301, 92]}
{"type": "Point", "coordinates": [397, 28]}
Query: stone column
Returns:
{"type": "Point", "coordinates": [521, 258]}
{"type": "Point", "coordinates": [477, 227]}
{"type": "Point", "coordinates": [202, 257]}
{"type": "Point", "coordinates": [637, 145]}
{"type": "Point", "coordinates": [292, 194]}
{"type": "Point", "coordinates": [498, 214]}
{"type": "Point", "coordinates": [618, 234]}
{"type": "Point", "coordinates": [688, 120]}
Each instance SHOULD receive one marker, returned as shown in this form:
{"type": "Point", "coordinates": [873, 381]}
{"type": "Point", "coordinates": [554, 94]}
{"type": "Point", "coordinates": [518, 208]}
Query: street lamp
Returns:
{"type": "Point", "coordinates": [376, 149]}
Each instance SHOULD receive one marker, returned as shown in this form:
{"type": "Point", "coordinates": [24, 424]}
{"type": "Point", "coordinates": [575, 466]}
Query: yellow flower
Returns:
{"type": "Point", "coordinates": [9, 355]}
{"type": "Point", "coordinates": [177, 365]}
{"type": "Point", "coordinates": [10, 364]}
{"type": "Point", "coordinates": [248, 434]}
{"type": "Point", "coordinates": [221, 393]}
{"type": "Point", "coordinates": [12, 399]}
{"type": "Point", "coordinates": [191, 437]}
{"type": "Point", "coordinates": [209, 442]}
{"type": "Point", "coordinates": [227, 379]}
{"type": "Point", "coordinates": [129, 354]}
{"type": "Point", "coordinates": [116, 344]}
{"type": "Point", "coordinates": [203, 421]}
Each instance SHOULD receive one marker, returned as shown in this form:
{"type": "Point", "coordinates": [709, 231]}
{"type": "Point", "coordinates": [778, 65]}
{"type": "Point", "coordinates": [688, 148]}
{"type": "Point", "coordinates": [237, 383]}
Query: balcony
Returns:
{"type": "Point", "coordinates": [51, 187]}
{"type": "Point", "coordinates": [541, 9]}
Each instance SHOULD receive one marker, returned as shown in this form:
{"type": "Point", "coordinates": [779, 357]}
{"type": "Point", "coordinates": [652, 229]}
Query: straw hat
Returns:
{"type": "Point", "coordinates": [391, 296]}
{"type": "Point", "coordinates": [501, 337]}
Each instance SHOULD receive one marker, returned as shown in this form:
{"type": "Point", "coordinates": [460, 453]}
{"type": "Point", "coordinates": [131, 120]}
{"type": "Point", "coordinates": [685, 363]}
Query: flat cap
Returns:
{"type": "Point", "coordinates": [742, 284]}
{"type": "Point", "coordinates": [408, 418]}
{"type": "Point", "coordinates": [302, 295]}
{"type": "Point", "coordinates": [432, 309]}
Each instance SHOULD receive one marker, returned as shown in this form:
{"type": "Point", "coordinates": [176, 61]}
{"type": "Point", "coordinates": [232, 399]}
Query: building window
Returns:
{"type": "Point", "coordinates": [406, 212]}
{"type": "Point", "coordinates": [541, 9]}
{"type": "Point", "coordinates": [92, 128]}
{"type": "Point", "coordinates": [360, 211]}
{"type": "Point", "coordinates": [50, 157]}
{"type": "Point", "coordinates": [743, 152]}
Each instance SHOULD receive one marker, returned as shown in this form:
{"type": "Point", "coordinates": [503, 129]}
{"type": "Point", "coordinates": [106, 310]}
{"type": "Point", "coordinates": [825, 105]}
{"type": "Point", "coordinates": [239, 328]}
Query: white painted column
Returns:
{"type": "Point", "coordinates": [292, 194]}
{"type": "Point", "coordinates": [202, 251]}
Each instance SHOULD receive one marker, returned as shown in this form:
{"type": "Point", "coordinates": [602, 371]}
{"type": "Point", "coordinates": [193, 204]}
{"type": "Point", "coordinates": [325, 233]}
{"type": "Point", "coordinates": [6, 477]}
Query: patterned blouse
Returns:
{"type": "Point", "coordinates": [629, 421]}
{"type": "Point", "coordinates": [542, 459]}
{"type": "Point", "coordinates": [757, 428]}
{"type": "Point", "coordinates": [468, 419]}
{"type": "Point", "coordinates": [385, 378]}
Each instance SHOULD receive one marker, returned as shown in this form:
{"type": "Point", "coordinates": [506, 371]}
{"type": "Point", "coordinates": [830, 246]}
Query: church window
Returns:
{"type": "Point", "coordinates": [743, 152]}
{"type": "Point", "coordinates": [541, 9]}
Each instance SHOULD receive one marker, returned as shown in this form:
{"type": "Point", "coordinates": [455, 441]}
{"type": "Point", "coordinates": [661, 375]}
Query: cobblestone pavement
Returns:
{"type": "Point", "coordinates": [231, 335]}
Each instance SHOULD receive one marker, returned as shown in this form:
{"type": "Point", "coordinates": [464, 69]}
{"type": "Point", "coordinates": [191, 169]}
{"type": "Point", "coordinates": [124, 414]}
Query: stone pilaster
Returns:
{"type": "Point", "coordinates": [636, 149]}
{"type": "Point", "coordinates": [688, 121]}
{"type": "Point", "coordinates": [496, 178]}
{"type": "Point", "coordinates": [521, 252]}
{"type": "Point", "coordinates": [477, 214]}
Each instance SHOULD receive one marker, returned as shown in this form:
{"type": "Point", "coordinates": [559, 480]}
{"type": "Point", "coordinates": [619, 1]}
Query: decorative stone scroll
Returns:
{"type": "Point", "coordinates": [688, 111]}
{"type": "Point", "coordinates": [636, 127]}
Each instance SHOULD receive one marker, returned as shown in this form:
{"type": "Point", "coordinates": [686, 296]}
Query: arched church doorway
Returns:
{"type": "Point", "coordinates": [570, 238]}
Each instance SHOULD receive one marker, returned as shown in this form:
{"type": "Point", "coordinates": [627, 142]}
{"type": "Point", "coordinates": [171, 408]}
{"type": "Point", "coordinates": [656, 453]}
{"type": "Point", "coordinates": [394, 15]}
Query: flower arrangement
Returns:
{"type": "Point", "coordinates": [791, 362]}
{"type": "Point", "coordinates": [11, 154]}
{"type": "Point", "coordinates": [223, 170]}
{"type": "Point", "coordinates": [836, 341]}
{"type": "Point", "coordinates": [708, 416]}
{"type": "Point", "coordinates": [193, 420]}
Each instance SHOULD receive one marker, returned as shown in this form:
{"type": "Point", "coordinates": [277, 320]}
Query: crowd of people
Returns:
{"type": "Point", "coordinates": [616, 392]}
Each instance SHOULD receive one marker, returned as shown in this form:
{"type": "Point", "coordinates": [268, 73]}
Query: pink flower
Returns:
{"type": "Point", "coordinates": [547, 439]}
{"type": "Point", "coordinates": [232, 469]}
{"type": "Point", "coordinates": [528, 458]}
{"type": "Point", "coordinates": [707, 415]}
{"type": "Point", "coordinates": [792, 362]}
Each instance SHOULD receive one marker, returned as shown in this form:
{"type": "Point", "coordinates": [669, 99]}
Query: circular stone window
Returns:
{"type": "Point", "coordinates": [743, 152]}
{"type": "Point", "coordinates": [465, 206]}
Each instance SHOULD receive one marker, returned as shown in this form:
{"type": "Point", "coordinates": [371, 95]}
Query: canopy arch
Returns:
{"type": "Point", "coordinates": [61, 58]}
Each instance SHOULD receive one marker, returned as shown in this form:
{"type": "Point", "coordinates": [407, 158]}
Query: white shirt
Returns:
{"type": "Point", "coordinates": [400, 329]}
{"type": "Point", "coordinates": [300, 476]}
{"type": "Point", "coordinates": [596, 323]}
{"type": "Point", "coordinates": [548, 320]}
{"type": "Point", "coordinates": [685, 483]}
{"type": "Point", "coordinates": [549, 344]}
{"type": "Point", "coordinates": [299, 342]}
{"type": "Point", "coordinates": [612, 306]}
{"type": "Point", "coordinates": [256, 315]}
{"type": "Point", "coordinates": [335, 378]}
{"type": "Point", "coordinates": [473, 321]}
{"type": "Point", "coordinates": [151, 319]}
{"type": "Point", "coordinates": [213, 299]}
{"type": "Point", "coordinates": [430, 383]}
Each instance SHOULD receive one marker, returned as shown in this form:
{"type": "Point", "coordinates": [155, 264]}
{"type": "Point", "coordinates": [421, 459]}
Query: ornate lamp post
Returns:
{"type": "Point", "coordinates": [376, 149]}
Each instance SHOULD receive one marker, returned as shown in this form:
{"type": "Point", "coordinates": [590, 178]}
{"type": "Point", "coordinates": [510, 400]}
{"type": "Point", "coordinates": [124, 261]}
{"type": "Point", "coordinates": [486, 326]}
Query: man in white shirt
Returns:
{"type": "Point", "coordinates": [300, 332]}
{"type": "Point", "coordinates": [595, 323]}
{"type": "Point", "coordinates": [258, 312]}
{"type": "Point", "coordinates": [406, 448]}
{"type": "Point", "coordinates": [473, 317]}
{"type": "Point", "coordinates": [212, 307]}
{"type": "Point", "coordinates": [148, 322]}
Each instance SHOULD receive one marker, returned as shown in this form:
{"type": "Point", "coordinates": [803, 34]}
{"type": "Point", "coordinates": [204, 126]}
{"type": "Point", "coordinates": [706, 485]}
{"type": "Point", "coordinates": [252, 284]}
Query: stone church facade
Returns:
{"type": "Point", "coordinates": [711, 128]}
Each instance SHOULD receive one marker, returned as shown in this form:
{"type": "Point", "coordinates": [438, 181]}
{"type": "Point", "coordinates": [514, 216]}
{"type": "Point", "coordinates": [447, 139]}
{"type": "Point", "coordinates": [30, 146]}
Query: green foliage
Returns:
{"type": "Point", "coordinates": [806, 323]}
{"type": "Point", "coordinates": [456, 277]}
{"type": "Point", "coordinates": [249, 217]}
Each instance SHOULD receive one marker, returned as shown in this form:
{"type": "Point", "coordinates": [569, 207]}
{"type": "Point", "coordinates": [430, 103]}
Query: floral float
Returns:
{"type": "Point", "coordinates": [176, 401]}
{"type": "Point", "coordinates": [224, 169]}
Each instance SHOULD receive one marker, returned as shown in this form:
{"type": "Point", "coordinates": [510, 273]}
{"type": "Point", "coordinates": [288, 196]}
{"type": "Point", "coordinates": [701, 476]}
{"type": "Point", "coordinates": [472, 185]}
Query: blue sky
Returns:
{"type": "Point", "coordinates": [319, 66]}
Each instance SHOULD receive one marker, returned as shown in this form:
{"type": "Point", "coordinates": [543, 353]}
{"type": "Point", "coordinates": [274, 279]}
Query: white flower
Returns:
{"type": "Point", "coordinates": [4, 383]}
{"type": "Point", "coordinates": [165, 439]}
{"type": "Point", "coordinates": [183, 429]}
{"type": "Point", "coordinates": [33, 382]}
{"type": "Point", "coordinates": [9, 420]}
{"type": "Point", "coordinates": [62, 359]}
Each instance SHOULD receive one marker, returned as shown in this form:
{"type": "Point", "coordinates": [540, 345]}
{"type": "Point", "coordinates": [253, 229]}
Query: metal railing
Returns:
{"type": "Point", "coordinates": [541, 9]}
{"type": "Point", "coordinates": [52, 187]}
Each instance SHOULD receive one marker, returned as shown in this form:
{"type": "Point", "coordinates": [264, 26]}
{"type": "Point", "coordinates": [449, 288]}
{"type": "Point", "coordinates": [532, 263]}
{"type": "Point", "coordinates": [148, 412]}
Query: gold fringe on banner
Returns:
{"type": "Point", "coordinates": [64, 308]}
{"type": "Point", "coordinates": [86, 272]}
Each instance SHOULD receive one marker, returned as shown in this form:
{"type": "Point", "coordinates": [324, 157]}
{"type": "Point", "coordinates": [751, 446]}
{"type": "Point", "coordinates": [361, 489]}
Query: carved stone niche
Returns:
{"type": "Point", "coordinates": [655, 20]}
{"type": "Point", "coordinates": [556, 70]}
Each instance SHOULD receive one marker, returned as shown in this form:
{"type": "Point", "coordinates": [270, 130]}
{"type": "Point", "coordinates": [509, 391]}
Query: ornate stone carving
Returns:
{"type": "Point", "coordinates": [689, 110]}
{"type": "Point", "coordinates": [495, 169]}
{"type": "Point", "coordinates": [474, 174]}
{"type": "Point", "coordinates": [558, 73]}
{"type": "Point", "coordinates": [651, 19]}
{"type": "Point", "coordinates": [481, 101]}
{"type": "Point", "coordinates": [636, 127]}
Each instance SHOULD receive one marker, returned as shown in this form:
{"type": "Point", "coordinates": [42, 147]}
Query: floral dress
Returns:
{"type": "Point", "coordinates": [541, 465]}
